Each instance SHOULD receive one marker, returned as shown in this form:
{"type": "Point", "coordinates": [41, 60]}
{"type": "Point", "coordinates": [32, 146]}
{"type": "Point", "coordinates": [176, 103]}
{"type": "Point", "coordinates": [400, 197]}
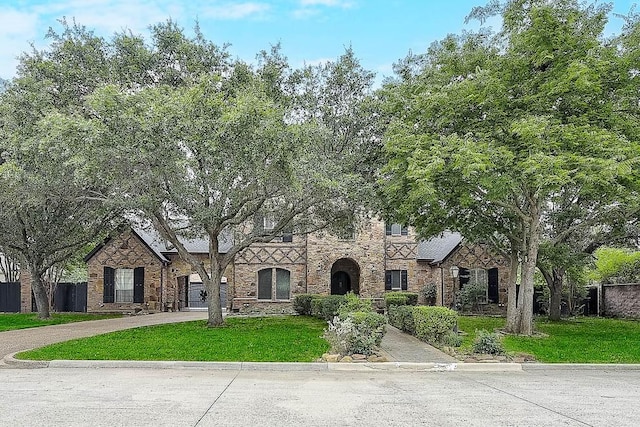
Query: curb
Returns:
{"type": "Point", "coordinates": [10, 360]}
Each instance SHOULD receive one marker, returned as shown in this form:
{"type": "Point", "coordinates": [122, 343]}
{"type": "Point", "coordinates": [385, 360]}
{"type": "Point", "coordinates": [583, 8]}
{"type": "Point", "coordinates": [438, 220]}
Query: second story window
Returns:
{"type": "Point", "coordinates": [396, 230]}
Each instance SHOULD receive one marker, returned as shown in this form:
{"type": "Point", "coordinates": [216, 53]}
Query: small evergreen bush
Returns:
{"type": "Point", "coordinates": [433, 323]}
{"type": "Point", "coordinates": [401, 317]}
{"type": "Point", "coordinates": [400, 298]}
{"type": "Point", "coordinates": [470, 294]}
{"type": "Point", "coordinates": [352, 303]}
{"type": "Point", "coordinates": [302, 303]}
{"type": "Point", "coordinates": [429, 293]}
{"type": "Point", "coordinates": [326, 306]}
{"type": "Point", "coordinates": [487, 343]}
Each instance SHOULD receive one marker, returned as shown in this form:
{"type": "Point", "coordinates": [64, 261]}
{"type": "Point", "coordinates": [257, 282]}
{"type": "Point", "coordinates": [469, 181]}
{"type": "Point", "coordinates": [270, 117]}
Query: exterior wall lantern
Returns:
{"type": "Point", "coordinates": [454, 270]}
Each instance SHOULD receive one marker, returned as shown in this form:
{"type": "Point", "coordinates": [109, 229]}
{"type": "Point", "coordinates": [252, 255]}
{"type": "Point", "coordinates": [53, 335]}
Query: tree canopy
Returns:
{"type": "Point", "coordinates": [173, 132]}
{"type": "Point", "coordinates": [491, 131]}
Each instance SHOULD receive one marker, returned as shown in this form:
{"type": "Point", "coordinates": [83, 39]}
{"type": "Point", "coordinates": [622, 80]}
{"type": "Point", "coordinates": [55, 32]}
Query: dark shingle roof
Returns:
{"type": "Point", "coordinates": [436, 249]}
{"type": "Point", "coordinates": [195, 246]}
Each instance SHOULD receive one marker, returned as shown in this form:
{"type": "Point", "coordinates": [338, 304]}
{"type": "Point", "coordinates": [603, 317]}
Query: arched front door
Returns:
{"type": "Point", "coordinates": [345, 277]}
{"type": "Point", "coordinates": [340, 283]}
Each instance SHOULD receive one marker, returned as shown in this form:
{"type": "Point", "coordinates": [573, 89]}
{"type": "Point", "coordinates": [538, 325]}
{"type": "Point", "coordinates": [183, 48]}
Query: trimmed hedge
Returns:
{"type": "Point", "coordinates": [326, 306]}
{"type": "Point", "coordinates": [302, 303]}
{"type": "Point", "coordinates": [400, 298]}
{"type": "Point", "coordinates": [433, 323]}
{"type": "Point", "coordinates": [401, 316]}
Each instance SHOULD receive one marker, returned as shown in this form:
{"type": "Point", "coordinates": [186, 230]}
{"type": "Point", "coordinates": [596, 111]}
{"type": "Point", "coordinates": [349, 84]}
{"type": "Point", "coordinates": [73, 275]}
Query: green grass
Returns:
{"type": "Point", "coordinates": [253, 339]}
{"type": "Point", "coordinates": [10, 321]}
{"type": "Point", "coordinates": [580, 340]}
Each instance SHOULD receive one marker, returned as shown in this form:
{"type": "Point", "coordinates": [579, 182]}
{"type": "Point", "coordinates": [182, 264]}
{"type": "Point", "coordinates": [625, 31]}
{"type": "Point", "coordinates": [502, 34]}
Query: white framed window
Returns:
{"type": "Point", "coordinates": [396, 230]}
{"type": "Point", "coordinates": [123, 285]}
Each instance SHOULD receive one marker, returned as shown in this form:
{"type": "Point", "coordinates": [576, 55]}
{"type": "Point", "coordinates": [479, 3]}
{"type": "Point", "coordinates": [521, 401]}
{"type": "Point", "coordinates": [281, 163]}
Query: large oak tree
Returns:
{"type": "Point", "coordinates": [490, 129]}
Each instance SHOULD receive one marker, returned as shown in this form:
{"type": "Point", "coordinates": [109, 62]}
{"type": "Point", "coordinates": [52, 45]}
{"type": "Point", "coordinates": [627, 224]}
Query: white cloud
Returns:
{"type": "Point", "coordinates": [329, 3]}
{"type": "Point", "coordinates": [236, 11]}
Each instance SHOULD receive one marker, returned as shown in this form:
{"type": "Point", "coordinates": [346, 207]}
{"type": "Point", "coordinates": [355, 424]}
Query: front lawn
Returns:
{"type": "Point", "coordinates": [10, 321]}
{"type": "Point", "coordinates": [252, 339]}
{"type": "Point", "coordinates": [580, 340]}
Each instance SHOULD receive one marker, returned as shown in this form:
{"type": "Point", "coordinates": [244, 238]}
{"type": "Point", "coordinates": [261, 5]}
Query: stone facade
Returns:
{"type": "Point", "coordinates": [266, 277]}
{"type": "Point", "coordinates": [621, 300]}
{"type": "Point", "coordinates": [127, 251]}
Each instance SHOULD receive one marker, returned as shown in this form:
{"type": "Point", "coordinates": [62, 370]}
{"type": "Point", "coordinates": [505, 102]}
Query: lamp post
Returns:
{"type": "Point", "coordinates": [454, 270]}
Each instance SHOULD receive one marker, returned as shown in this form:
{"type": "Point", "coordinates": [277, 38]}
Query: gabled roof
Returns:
{"type": "Point", "coordinates": [195, 246]}
{"type": "Point", "coordinates": [160, 247]}
{"type": "Point", "coordinates": [436, 249]}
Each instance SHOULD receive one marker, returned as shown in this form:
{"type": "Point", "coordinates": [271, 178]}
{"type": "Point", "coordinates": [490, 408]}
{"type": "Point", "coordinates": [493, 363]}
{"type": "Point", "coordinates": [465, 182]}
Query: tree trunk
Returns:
{"type": "Point", "coordinates": [512, 308]}
{"type": "Point", "coordinates": [40, 294]}
{"type": "Point", "coordinates": [528, 271]}
{"type": "Point", "coordinates": [213, 290]}
{"type": "Point", "coordinates": [555, 289]}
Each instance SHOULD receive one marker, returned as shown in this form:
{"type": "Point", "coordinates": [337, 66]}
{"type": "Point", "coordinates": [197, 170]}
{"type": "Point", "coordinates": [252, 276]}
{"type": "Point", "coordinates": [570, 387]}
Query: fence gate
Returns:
{"type": "Point", "coordinates": [70, 297]}
{"type": "Point", "coordinates": [10, 297]}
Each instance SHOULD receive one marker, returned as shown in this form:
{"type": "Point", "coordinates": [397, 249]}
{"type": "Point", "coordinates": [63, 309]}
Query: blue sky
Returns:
{"type": "Point", "coordinates": [310, 31]}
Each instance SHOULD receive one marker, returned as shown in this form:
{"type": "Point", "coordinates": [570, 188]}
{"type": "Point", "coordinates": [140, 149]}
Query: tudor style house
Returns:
{"type": "Point", "coordinates": [137, 270]}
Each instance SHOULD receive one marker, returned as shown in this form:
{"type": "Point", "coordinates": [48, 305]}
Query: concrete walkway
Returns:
{"type": "Point", "coordinates": [400, 347]}
{"type": "Point", "coordinates": [396, 345]}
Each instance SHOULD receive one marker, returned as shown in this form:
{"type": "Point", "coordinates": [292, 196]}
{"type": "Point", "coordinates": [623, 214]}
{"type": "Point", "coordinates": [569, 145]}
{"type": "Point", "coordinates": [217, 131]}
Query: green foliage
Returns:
{"type": "Point", "coordinates": [401, 317]}
{"type": "Point", "coordinates": [487, 343]}
{"type": "Point", "coordinates": [352, 303]}
{"type": "Point", "coordinates": [432, 324]}
{"type": "Point", "coordinates": [400, 298]}
{"type": "Point", "coordinates": [251, 339]}
{"type": "Point", "coordinates": [302, 303]}
{"type": "Point", "coordinates": [615, 265]}
{"type": "Point", "coordinates": [11, 321]}
{"type": "Point", "coordinates": [496, 134]}
{"type": "Point", "coordinates": [451, 339]}
{"type": "Point", "coordinates": [326, 306]}
{"type": "Point", "coordinates": [579, 340]}
{"type": "Point", "coordinates": [359, 332]}
{"type": "Point", "coordinates": [470, 294]}
{"type": "Point", "coordinates": [429, 293]}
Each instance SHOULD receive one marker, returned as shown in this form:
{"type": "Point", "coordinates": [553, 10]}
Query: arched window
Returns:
{"type": "Point", "coordinates": [270, 279]}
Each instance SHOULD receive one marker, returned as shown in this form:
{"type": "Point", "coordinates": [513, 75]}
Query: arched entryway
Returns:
{"type": "Point", "coordinates": [345, 277]}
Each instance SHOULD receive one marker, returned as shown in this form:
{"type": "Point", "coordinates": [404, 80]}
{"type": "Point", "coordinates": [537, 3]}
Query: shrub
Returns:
{"type": "Point", "coordinates": [429, 293]}
{"type": "Point", "coordinates": [400, 298]}
{"type": "Point", "coordinates": [451, 339]}
{"type": "Point", "coordinates": [351, 303]}
{"type": "Point", "coordinates": [433, 323]}
{"type": "Point", "coordinates": [401, 317]}
{"type": "Point", "coordinates": [360, 332]}
{"type": "Point", "coordinates": [302, 303]}
{"type": "Point", "coordinates": [326, 306]}
{"type": "Point", "coordinates": [470, 293]}
{"type": "Point", "coordinates": [487, 343]}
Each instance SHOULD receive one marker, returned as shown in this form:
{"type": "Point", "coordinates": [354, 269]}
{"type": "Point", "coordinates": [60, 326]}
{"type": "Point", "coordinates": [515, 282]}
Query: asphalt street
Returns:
{"type": "Point", "coordinates": [202, 397]}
